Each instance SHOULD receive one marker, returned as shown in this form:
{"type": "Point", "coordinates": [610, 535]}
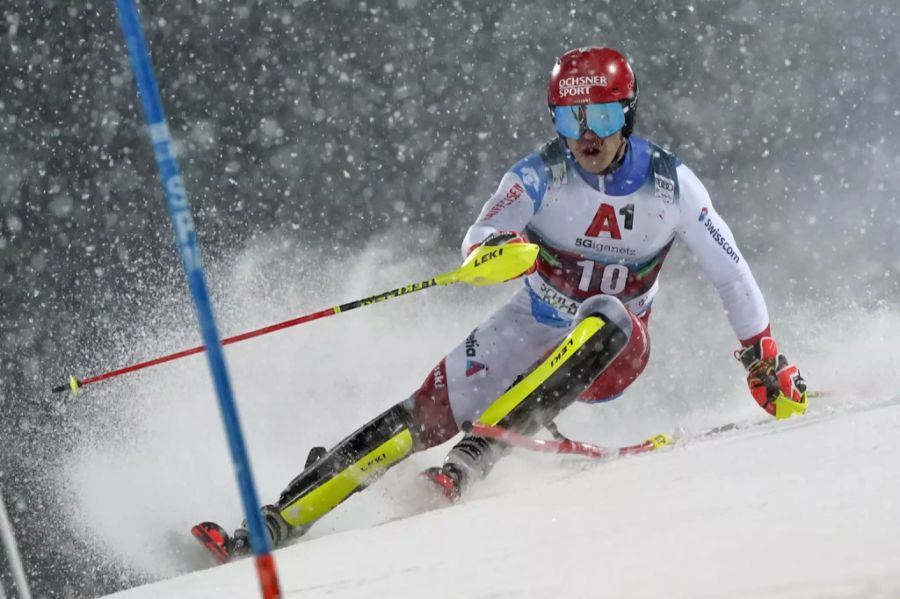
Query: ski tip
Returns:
{"type": "Point", "coordinates": [214, 539]}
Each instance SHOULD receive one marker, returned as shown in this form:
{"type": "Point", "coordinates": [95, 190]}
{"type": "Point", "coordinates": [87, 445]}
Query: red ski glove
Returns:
{"type": "Point", "coordinates": [502, 238]}
{"type": "Point", "coordinates": [775, 384]}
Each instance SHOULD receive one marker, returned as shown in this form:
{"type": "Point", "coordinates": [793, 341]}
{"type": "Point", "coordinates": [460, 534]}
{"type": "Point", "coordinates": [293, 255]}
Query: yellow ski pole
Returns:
{"type": "Point", "coordinates": [485, 266]}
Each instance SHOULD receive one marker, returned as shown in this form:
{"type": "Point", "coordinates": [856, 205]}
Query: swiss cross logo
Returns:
{"type": "Point", "coordinates": [604, 222]}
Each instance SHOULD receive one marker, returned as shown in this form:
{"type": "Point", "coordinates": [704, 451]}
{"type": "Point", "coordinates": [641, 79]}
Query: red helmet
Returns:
{"type": "Point", "coordinates": [594, 76]}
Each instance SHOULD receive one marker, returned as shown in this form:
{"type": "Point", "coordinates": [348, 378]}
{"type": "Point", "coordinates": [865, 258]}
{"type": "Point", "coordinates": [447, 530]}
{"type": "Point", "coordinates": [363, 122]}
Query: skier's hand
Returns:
{"type": "Point", "coordinates": [502, 238]}
{"type": "Point", "coordinates": [775, 384]}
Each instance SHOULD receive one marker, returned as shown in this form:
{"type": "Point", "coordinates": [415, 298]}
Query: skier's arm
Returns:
{"type": "Point", "coordinates": [712, 245]}
{"type": "Point", "coordinates": [507, 211]}
{"type": "Point", "coordinates": [774, 383]}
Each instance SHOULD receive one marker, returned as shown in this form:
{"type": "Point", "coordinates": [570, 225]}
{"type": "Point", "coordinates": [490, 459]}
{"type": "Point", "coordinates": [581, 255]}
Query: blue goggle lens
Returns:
{"type": "Point", "coordinates": [602, 119]}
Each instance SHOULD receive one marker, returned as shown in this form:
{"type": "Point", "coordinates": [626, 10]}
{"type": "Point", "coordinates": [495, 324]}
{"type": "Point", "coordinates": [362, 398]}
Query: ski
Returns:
{"type": "Point", "coordinates": [214, 539]}
{"type": "Point", "coordinates": [568, 446]}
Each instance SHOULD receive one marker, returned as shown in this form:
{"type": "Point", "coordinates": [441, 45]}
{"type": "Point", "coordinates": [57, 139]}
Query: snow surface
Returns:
{"type": "Point", "coordinates": [805, 508]}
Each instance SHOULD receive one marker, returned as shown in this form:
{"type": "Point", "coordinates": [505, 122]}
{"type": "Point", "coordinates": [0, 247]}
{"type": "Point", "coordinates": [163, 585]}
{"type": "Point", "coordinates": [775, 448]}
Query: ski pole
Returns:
{"type": "Point", "coordinates": [484, 266]}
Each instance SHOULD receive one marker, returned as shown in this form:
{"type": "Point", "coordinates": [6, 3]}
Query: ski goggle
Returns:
{"type": "Point", "coordinates": [602, 119]}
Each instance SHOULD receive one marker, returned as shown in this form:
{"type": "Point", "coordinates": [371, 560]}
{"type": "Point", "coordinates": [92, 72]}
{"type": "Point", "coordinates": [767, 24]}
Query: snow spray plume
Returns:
{"type": "Point", "coordinates": [363, 364]}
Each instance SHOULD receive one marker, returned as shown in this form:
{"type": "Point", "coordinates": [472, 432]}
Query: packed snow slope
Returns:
{"type": "Point", "coordinates": [790, 508]}
{"type": "Point", "coordinates": [806, 508]}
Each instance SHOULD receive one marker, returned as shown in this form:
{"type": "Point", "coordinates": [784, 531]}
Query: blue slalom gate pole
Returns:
{"type": "Point", "coordinates": [186, 237]}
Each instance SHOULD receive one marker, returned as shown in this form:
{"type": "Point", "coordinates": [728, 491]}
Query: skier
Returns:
{"type": "Point", "coordinates": [605, 207]}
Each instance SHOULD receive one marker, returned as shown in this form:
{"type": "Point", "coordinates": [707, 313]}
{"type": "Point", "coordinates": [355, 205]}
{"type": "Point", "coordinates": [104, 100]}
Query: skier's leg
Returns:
{"type": "Point", "coordinates": [626, 368]}
{"type": "Point", "coordinates": [480, 366]}
{"type": "Point", "coordinates": [350, 466]}
{"type": "Point", "coordinates": [478, 371]}
{"type": "Point", "coordinates": [611, 355]}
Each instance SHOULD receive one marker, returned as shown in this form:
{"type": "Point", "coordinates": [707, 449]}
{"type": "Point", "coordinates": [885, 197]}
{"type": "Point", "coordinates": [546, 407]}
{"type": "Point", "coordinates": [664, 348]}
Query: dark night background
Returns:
{"type": "Point", "coordinates": [327, 123]}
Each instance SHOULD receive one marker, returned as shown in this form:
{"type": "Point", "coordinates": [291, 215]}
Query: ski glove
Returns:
{"type": "Point", "coordinates": [775, 384]}
{"type": "Point", "coordinates": [502, 238]}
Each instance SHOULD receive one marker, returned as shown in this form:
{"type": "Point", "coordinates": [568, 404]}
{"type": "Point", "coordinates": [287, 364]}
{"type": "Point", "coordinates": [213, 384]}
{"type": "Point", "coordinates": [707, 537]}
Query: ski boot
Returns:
{"type": "Point", "coordinates": [225, 547]}
{"type": "Point", "coordinates": [214, 538]}
{"type": "Point", "coordinates": [470, 459]}
{"type": "Point", "coordinates": [447, 480]}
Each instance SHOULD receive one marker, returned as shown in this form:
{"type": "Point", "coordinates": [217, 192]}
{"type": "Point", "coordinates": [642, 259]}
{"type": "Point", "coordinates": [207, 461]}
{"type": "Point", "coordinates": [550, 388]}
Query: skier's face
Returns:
{"type": "Point", "coordinates": [593, 153]}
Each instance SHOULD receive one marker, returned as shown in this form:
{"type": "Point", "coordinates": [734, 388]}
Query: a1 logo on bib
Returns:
{"type": "Point", "coordinates": [664, 188]}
